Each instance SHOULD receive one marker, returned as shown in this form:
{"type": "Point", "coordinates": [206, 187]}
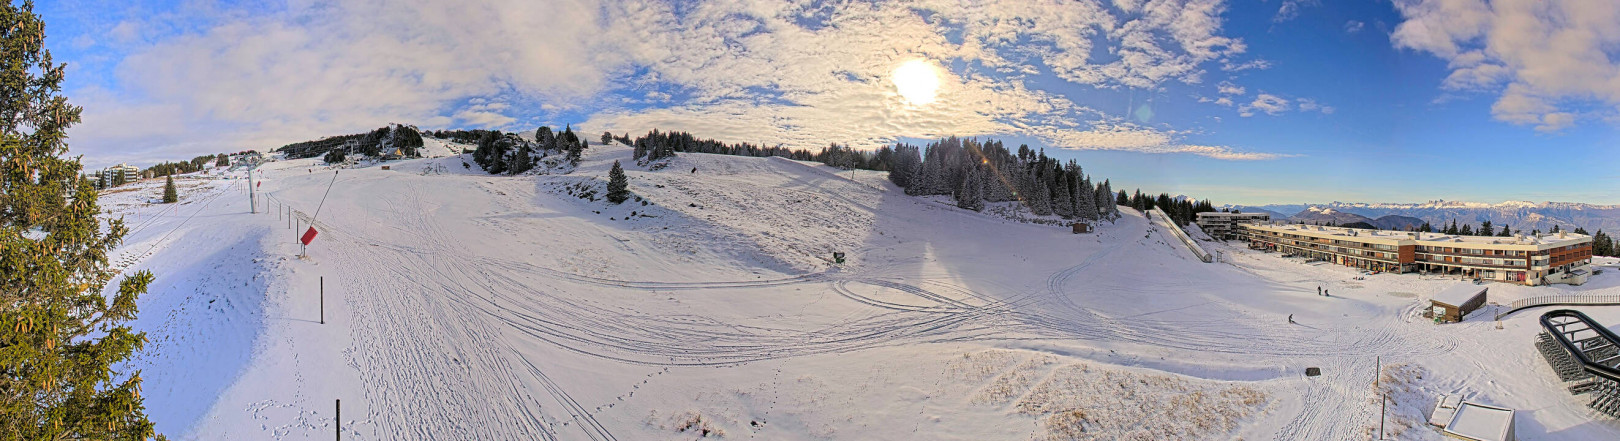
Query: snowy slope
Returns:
{"type": "Point", "coordinates": [466, 306]}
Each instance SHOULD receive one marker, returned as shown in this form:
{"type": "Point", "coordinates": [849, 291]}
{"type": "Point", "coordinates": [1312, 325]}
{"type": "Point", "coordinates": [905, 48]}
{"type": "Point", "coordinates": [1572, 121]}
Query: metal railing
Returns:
{"type": "Point", "coordinates": [1575, 299]}
{"type": "Point", "coordinates": [1175, 230]}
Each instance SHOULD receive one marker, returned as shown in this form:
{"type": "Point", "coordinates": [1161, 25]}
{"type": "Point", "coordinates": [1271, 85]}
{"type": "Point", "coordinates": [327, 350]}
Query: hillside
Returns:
{"type": "Point", "coordinates": [460, 305]}
{"type": "Point", "coordinates": [1397, 222]}
{"type": "Point", "coordinates": [1327, 216]}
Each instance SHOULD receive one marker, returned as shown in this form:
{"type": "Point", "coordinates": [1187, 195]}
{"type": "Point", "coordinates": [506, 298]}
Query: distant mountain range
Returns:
{"type": "Point", "coordinates": [1330, 216]}
{"type": "Point", "coordinates": [1521, 215]}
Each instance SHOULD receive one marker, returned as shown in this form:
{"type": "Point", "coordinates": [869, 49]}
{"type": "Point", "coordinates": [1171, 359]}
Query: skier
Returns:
{"type": "Point", "coordinates": [694, 170]}
{"type": "Point", "coordinates": [1290, 319]}
{"type": "Point", "coordinates": [1325, 293]}
{"type": "Point", "coordinates": [1318, 290]}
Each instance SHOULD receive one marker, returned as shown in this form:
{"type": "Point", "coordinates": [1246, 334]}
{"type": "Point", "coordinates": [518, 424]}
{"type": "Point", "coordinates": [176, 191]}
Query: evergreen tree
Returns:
{"type": "Point", "coordinates": [484, 154]}
{"type": "Point", "coordinates": [618, 188]}
{"type": "Point", "coordinates": [523, 158]}
{"type": "Point", "coordinates": [170, 196]}
{"type": "Point", "coordinates": [971, 195]}
{"type": "Point", "coordinates": [1040, 201]}
{"type": "Point", "coordinates": [60, 337]}
{"type": "Point", "coordinates": [1107, 202]}
{"type": "Point", "coordinates": [408, 139]}
{"type": "Point", "coordinates": [1063, 199]}
{"type": "Point", "coordinates": [223, 161]}
{"type": "Point", "coordinates": [907, 159]}
{"type": "Point", "coordinates": [1467, 230]}
{"type": "Point", "coordinates": [1555, 229]}
{"type": "Point", "coordinates": [1086, 208]}
{"type": "Point", "coordinates": [545, 139]}
{"type": "Point", "coordinates": [1506, 231]}
{"type": "Point", "coordinates": [1426, 228]}
{"type": "Point", "coordinates": [575, 152]}
{"type": "Point", "coordinates": [607, 137]}
{"type": "Point", "coordinates": [568, 136]}
{"type": "Point", "coordinates": [1485, 229]}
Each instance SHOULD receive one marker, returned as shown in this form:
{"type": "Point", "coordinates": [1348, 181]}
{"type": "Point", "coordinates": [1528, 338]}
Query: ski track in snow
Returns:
{"type": "Point", "coordinates": [531, 306]}
{"type": "Point", "coordinates": [451, 342]}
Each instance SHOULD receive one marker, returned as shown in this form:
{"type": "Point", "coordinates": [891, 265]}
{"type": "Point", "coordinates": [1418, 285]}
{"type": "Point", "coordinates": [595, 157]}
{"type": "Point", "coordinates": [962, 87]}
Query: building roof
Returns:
{"type": "Point", "coordinates": [1480, 422]}
{"type": "Point", "coordinates": [1546, 240]}
{"type": "Point", "coordinates": [1444, 409]}
{"type": "Point", "coordinates": [1225, 214]}
{"type": "Point", "coordinates": [1458, 294]}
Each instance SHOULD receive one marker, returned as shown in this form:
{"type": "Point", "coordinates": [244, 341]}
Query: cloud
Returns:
{"type": "Point", "coordinates": [792, 72]}
{"type": "Point", "coordinates": [1226, 153]}
{"type": "Point", "coordinates": [1550, 62]}
{"type": "Point", "coordinates": [1290, 9]}
{"type": "Point", "coordinates": [126, 31]}
{"type": "Point", "coordinates": [1553, 122]}
{"type": "Point", "coordinates": [1309, 105]}
{"type": "Point", "coordinates": [1264, 102]}
{"type": "Point", "coordinates": [1354, 26]}
{"type": "Point", "coordinates": [838, 89]}
{"type": "Point", "coordinates": [1227, 88]}
{"type": "Point", "coordinates": [1131, 137]}
{"type": "Point", "coordinates": [484, 114]}
{"type": "Point", "coordinates": [1230, 66]}
{"type": "Point", "coordinates": [313, 71]}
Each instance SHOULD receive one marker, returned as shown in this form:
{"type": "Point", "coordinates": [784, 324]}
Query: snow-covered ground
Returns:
{"type": "Point", "coordinates": [460, 305]}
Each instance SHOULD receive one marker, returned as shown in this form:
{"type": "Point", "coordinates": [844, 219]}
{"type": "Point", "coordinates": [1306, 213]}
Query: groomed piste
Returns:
{"type": "Point", "coordinates": [460, 305]}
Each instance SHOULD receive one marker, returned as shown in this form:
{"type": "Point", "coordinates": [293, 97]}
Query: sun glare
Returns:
{"type": "Point", "coordinates": [917, 81]}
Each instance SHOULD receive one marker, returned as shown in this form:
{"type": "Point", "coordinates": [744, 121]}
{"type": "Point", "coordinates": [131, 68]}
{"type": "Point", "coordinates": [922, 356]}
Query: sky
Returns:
{"type": "Point", "coordinates": [1242, 102]}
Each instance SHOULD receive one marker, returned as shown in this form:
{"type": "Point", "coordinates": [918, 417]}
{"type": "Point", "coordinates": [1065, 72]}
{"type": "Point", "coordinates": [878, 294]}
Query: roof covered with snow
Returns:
{"type": "Point", "coordinates": [1458, 294]}
{"type": "Point", "coordinates": [1225, 214]}
{"type": "Point", "coordinates": [1481, 422]}
{"type": "Point", "coordinates": [1444, 409]}
{"type": "Point", "coordinates": [1432, 239]}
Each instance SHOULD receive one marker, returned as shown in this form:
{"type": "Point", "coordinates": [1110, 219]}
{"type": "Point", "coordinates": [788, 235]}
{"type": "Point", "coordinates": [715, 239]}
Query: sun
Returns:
{"type": "Point", "coordinates": [917, 81]}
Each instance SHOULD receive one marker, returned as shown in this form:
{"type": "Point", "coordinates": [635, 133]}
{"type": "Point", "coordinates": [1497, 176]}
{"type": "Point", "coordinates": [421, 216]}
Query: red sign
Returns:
{"type": "Point", "coordinates": [309, 236]}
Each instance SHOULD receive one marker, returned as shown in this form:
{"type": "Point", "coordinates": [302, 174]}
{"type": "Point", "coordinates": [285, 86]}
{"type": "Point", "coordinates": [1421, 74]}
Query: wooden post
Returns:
{"type": "Point", "coordinates": [1378, 377]}
{"type": "Point", "coordinates": [1382, 404]}
{"type": "Point", "coordinates": [323, 300]}
{"type": "Point", "coordinates": [337, 420]}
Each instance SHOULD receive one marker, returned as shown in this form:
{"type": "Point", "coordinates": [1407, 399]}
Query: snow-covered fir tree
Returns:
{"type": "Point", "coordinates": [1063, 199]}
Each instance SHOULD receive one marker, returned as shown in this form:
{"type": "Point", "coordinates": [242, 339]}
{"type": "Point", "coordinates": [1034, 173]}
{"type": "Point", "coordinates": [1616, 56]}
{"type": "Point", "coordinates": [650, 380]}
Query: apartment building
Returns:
{"type": "Point", "coordinates": [1223, 226]}
{"type": "Point", "coordinates": [1530, 260]}
{"type": "Point", "coordinates": [118, 174]}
